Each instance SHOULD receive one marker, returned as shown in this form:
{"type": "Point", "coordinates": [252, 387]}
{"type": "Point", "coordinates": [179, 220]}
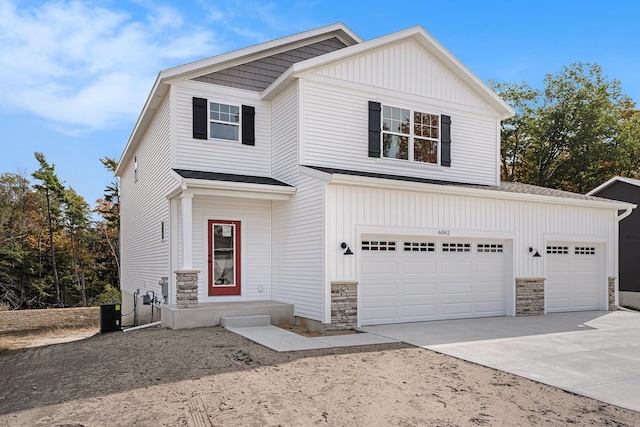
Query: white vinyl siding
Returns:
{"type": "Point", "coordinates": [255, 244]}
{"type": "Point", "coordinates": [405, 67]}
{"type": "Point", "coordinates": [297, 223]}
{"type": "Point", "coordinates": [218, 155]}
{"type": "Point", "coordinates": [335, 123]}
{"type": "Point", "coordinates": [527, 224]}
{"type": "Point", "coordinates": [144, 255]}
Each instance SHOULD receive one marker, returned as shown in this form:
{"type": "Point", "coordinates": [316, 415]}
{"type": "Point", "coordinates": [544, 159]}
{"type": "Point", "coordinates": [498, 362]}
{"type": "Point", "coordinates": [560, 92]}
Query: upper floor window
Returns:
{"type": "Point", "coordinates": [410, 135]}
{"type": "Point", "coordinates": [224, 121]}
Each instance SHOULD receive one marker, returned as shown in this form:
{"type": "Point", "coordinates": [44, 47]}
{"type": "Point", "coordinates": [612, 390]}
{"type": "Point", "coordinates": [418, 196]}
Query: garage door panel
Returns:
{"type": "Point", "coordinates": [418, 312]}
{"type": "Point", "coordinates": [456, 288]}
{"type": "Point", "coordinates": [489, 287]}
{"type": "Point", "coordinates": [379, 291]}
{"type": "Point", "coordinates": [381, 314]}
{"type": "Point", "coordinates": [417, 267]}
{"type": "Point", "coordinates": [456, 267]}
{"type": "Point", "coordinates": [421, 289]}
{"type": "Point", "coordinates": [491, 308]}
{"type": "Point", "coordinates": [574, 277]}
{"type": "Point", "coordinates": [433, 281]}
{"type": "Point", "coordinates": [383, 267]}
{"type": "Point", "coordinates": [457, 309]}
{"type": "Point", "coordinates": [559, 267]}
{"type": "Point", "coordinates": [487, 267]}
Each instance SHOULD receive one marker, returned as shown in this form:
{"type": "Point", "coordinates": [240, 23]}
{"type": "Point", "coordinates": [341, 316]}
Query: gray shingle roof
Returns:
{"type": "Point", "coordinates": [216, 176]}
{"type": "Point", "coordinates": [508, 187]}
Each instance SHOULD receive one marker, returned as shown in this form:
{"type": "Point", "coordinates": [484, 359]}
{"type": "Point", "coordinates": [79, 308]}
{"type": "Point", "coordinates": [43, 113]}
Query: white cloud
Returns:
{"type": "Point", "coordinates": [83, 67]}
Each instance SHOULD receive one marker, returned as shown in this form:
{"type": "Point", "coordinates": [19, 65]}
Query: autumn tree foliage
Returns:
{"type": "Point", "coordinates": [54, 250]}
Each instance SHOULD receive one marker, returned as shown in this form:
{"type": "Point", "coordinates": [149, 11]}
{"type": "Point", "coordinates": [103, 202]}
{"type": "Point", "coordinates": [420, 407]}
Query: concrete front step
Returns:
{"type": "Point", "coordinates": [245, 321]}
{"type": "Point", "coordinates": [209, 314]}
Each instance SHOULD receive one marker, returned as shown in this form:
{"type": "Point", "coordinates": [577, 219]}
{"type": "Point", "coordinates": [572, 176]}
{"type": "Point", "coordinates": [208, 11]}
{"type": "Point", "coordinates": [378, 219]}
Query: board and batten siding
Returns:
{"type": "Point", "coordinates": [143, 207]}
{"type": "Point", "coordinates": [255, 244]}
{"type": "Point", "coordinates": [216, 155]}
{"type": "Point", "coordinates": [335, 134]}
{"type": "Point", "coordinates": [404, 67]}
{"type": "Point", "coordinates": [527, 224]}
{"type": "Point", "coordinates": [297, 257]}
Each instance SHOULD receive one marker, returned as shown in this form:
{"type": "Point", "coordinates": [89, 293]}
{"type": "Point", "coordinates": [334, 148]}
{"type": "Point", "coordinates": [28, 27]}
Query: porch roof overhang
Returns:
{"type": "Point", "coordinates": [505, 191]}
{"type": "Point", "coordinates": [204, 183]}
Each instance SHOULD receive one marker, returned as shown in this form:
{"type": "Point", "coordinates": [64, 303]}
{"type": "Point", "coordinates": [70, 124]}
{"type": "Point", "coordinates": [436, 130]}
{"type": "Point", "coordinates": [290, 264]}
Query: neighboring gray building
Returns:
{"type": "Point", "coordinates": [626, 190]}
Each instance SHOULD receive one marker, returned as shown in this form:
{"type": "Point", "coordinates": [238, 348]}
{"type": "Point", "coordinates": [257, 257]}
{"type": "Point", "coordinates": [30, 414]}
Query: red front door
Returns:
{"type": "Point", "coordinates": [224, 257]}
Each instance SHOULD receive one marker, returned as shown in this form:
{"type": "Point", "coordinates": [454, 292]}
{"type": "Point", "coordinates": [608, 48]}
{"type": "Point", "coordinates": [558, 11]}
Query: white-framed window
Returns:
{"type": "Point", "coordinates": [410, 135]}
{"type": "Point", "coordinates": [135, 168]}
{"type": "Point", "coordinates": [224, 121]}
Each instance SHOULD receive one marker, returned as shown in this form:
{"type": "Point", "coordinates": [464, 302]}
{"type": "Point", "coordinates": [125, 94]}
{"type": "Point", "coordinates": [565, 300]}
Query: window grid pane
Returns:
{"type": "Point", "coordinates": [562, 250]}
{"type": "Point", "coordinates": [224, 121]}
{"type": "Point", "coordinates": [374, 245]}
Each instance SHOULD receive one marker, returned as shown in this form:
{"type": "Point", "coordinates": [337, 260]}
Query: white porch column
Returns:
{"type": "Point", "coordinates": [186, 205]}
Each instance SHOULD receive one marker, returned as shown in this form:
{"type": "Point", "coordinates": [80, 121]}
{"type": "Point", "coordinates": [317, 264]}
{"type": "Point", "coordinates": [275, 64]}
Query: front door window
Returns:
{"type": "Point", "coordinates": [224, 257]}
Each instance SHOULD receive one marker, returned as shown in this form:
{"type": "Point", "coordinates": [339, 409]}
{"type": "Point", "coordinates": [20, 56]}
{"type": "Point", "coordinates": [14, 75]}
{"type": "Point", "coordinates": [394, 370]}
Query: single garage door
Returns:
{"type": "Point", "coordinates": [405, 279]}
{"type": "Point", "coordinates": [575, 278]}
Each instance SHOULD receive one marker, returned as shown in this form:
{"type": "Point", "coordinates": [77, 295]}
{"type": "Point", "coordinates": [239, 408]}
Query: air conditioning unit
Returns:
{"type": "Point", "coordinates": [110, 317]}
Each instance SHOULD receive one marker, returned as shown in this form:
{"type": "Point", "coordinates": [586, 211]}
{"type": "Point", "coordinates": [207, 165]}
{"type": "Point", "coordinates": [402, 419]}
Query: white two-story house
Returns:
{"type": "Point", "coordinates": [356, 181]}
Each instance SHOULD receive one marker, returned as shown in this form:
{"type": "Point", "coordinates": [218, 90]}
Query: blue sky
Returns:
{"type": "Point", "coordinates": [74, 75]}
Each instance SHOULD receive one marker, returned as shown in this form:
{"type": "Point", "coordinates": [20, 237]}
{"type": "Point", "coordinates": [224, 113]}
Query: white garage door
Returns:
{"type": "Point", "coordinates": [407, 279]}
{"type": "Point", "coordinates": [575, 279]}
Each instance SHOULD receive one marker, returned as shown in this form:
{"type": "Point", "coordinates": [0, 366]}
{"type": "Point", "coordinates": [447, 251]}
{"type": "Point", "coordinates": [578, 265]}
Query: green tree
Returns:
{"type": "Point", "coordinates": [109, 209]}
{"type": "Point", "coordinates": [516, 132]}
{"type": "Point", "coordinates": [19, 222]}
{"type": "Point", "coordinates": [565, 136]}
{"type": "Point", "coordinates": [77, 222]}
{"type": "Point", "coordinates": [53, 191]}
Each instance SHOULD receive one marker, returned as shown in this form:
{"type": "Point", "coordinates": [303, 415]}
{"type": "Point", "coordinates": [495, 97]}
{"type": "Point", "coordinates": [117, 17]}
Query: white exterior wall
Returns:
{"type": "Point", "coordinates": [353, 211]}
{"type": "Point", "coordinates": [217, 155]}
{"type": "Point", "coordinates": [144, 255]}
{"type": "Point", "coordinates": [255, 244]}
{"type": "Point", "coordinates": [335, 114]}
{"type": "Point", "coordinates": [298, 222]}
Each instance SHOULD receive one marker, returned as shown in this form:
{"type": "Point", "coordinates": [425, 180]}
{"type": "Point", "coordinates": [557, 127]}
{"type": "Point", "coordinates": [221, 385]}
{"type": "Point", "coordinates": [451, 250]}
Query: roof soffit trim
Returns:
{"type": "Point", "coordinates": [259, 51]}
{"type": "Point", "coordinates": [613, 180]}
{"type": "Point", "coordinates": [342, 179]}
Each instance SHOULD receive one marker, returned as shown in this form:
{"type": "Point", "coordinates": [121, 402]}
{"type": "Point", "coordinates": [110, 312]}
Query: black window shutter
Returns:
{"type": "Point", "coordinates": [445, 122]}
{"type": "Point", "coordinates": [248, 125]}
{"type": "Point", "coordinates": [199, 118]}
{"type": "Point", "coordinates": [375, 110]}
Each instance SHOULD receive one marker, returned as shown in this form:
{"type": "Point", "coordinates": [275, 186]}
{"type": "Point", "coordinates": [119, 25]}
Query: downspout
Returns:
{"type": "Point", "coordinates": [619, 218]}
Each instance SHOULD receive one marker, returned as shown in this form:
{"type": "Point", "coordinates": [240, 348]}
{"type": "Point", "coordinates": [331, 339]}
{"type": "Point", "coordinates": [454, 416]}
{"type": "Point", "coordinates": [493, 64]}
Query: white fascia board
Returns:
{"type": "Point", "coordinates": [230, 189]}
{"type": "Point", "coordinates": [419, 34]}
{"type": "Point", "coordinates": [601, 187]}
{"type": "Point", "coordinates": [390, 184]}
{"type": "Point", "coordinates": [154, 99]}
{"type": "Point", "coordinates": [261, 50]}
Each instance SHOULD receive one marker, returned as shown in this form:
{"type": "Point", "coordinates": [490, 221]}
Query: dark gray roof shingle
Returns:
{"type": "Point", "coordinates": [216, 176]}
{"type": "Point", "coordinates": [508, 187]}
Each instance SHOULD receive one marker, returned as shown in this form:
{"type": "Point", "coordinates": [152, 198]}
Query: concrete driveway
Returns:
{"type": "Point", "coordinates": [594, 353]}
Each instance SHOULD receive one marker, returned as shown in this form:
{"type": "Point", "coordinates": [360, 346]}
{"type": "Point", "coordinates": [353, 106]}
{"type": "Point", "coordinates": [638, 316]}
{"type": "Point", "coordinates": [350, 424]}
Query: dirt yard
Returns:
{"type": "Point", "coordinates": [212, 377]}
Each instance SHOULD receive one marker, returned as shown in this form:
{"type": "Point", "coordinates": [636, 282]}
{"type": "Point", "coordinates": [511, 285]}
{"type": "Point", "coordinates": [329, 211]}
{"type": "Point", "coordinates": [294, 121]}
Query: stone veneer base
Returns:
{"type": "Point", "coordinates": [344, 306]}
{"type": "Point", "coordinates": [529, 296]}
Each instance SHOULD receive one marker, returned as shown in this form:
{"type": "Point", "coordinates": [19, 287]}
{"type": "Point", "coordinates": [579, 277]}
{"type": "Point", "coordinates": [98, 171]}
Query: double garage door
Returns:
{"type": "Point", "coordinates": [575, 277]}
{"type": "Point", "coordinates": [407, 279]}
